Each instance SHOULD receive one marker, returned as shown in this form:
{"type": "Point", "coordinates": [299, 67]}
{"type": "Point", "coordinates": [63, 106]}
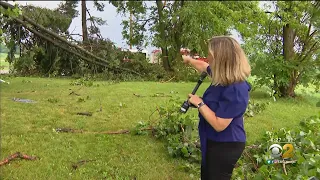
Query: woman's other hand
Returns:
{"type": "Point", "coordinates": [194, 99]}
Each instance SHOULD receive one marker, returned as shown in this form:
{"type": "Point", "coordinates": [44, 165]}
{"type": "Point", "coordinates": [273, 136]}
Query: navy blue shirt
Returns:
{"type": "Point", "coordinates": [227, 102]}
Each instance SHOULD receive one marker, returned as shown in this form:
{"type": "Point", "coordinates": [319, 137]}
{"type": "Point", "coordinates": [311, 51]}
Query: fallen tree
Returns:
{"type": "Point", "coordinates": [62, 43]}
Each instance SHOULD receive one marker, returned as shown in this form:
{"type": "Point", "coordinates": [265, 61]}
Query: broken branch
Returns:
{"type": "Point", "coordinates": [85, 113]}
{"type": "Point", "coordinates": [56, 44]}
{"type": "Point", "coordinates": [15, 156]}
{"type": "Point", "coordinates": [138, 95]}
{"type": "Point", "coordinates": [125, 131]}
{"type": "Point", "coordinates": [77, 164]}
{"type": "Point", "coordinates": [168, 80]}
{"type": "Point", "coordinates": [74, 93]}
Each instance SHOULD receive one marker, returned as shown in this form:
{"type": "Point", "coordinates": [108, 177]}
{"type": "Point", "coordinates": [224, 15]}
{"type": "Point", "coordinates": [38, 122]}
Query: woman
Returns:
{"type": "Point", "coordinates": [221, 109]}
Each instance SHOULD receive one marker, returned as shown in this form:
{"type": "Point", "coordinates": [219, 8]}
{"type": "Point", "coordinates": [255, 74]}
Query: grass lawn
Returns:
{"type": "Point", "coordinates": [28, 128]}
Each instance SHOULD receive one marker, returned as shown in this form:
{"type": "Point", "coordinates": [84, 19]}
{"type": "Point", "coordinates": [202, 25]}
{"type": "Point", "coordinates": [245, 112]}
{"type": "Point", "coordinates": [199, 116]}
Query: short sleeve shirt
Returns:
{"type": "Point", "coordinates": [227, 102]}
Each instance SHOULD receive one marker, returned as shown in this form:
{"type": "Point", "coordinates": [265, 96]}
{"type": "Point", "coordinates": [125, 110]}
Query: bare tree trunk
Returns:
{"type": "Point", "coordinates": [84, 21]}
{"type": "Point", "coordinates": [164, 48]}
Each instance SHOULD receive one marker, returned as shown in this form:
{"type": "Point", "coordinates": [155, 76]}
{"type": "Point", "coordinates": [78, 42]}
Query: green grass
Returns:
{"type": "Point", "coordinates": [28, 128]}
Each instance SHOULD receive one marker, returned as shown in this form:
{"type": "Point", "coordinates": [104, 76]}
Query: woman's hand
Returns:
{"type": "Point", "coordinates": [186, 59]}
{"type": "Point", "coordinates": [200, 66]}
{"type": "Point", "coordinates": [194, 99]}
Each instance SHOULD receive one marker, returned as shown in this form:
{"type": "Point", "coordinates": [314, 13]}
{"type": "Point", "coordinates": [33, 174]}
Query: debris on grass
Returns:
{"type": "Point", "coordinates": [167, 80]}
{"type": "Point", "coordinates": [100, 105]}
{"type": "Point", "coordinates": [15, 156]}
{"type": "Point", "coordinates": [84, 113]}
{"type": "Point", "coordinates": [160, 95]}
{"type": "Point", "coordinates": [74, 93]}
{"type": "Point", "coordinates": [81, 100]}
{"type": "Point", "coordinates": [138, 95]}
{"type": "Point", "coordinates": [23, 100]}
{"type": "Point", "coordinates": [26, 81]}
{"type": "Point", "coordinates": [154, 95]}
{"type": "Point", "coordinates": [3, 81]}
{"type": "Point", "coordinates": [53, 100]}
{"type": "Point", "coordinates": [79, 163]}
{"type": "Point", "coordinates": [67, 130]}
{"type": "Point", "coordinates": [122, 104]}
{"type": "Point", "coordinates": [124, 131]}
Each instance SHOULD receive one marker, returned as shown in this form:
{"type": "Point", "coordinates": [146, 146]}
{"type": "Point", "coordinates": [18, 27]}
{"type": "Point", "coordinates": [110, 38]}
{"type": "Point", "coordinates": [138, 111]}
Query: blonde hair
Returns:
{"type": "Point", "coordinates": [228, 61]}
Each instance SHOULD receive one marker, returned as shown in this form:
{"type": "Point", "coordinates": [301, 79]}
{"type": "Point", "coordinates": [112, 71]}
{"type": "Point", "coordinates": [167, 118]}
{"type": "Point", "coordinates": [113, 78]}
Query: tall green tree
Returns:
{"type": "Point", "coordinates": [204, 19]}
{"type": "Point", "coordinates": [285, 51]}
{"type": "Point", "coordinates": [176, 24]}
{"type": "Point", "coordinates": [151, 24]}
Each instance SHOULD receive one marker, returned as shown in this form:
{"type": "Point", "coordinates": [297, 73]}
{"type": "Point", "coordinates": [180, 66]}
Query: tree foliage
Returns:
{"type": "Point", "coordinates": [282, 41]}
{"type": "Point", "coordinates": [304, 138]}
{"type": "Point", "coordinates": [36, 55]}
{"type": "Point", "coordinates": [178, 132]}
{"type": "Point", "coordinates": [180, 24]}
{"type": "Point", "coordinates": [42, 55]}
{"type": "Point", "coordinates": [154, 23]}
{"type": "Point", "coordinates": [7, 15]}
{"type": "Point", "coordinates": [282, 46]}
{"type": "Point", "coordinates": [285, 50]}
{"type": "Point", "coordinates": [205, 19]}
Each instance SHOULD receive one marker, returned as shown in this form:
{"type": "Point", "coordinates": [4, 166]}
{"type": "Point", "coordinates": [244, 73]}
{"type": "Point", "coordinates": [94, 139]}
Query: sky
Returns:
{"type": "Point", "coordinates": [111, 31]}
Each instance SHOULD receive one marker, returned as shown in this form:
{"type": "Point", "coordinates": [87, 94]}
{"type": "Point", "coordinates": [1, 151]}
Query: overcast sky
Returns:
{"type": "Point", "coordinates": [113, 28]}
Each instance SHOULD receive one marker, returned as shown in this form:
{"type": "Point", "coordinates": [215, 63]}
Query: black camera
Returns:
{"type": "Point", "coordinates": [185, 106]}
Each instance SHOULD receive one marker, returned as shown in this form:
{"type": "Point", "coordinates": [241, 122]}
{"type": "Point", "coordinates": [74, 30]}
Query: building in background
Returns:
{"type": "Point", "coordinates": [155, 56]}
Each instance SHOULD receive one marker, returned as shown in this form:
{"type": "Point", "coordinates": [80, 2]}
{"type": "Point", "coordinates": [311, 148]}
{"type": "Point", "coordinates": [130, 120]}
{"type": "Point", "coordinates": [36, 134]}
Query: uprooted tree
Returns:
{"type": "Point", "coordinates": [46, 45]}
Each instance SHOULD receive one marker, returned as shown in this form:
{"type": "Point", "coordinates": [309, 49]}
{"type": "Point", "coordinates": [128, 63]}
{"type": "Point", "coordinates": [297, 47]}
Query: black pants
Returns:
{"type": "Point", "coordinates": [221, 158]}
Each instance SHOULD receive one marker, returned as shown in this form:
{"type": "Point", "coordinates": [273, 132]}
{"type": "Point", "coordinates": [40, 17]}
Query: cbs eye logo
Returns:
{"type": "Point", "coordinates": [284, 152]}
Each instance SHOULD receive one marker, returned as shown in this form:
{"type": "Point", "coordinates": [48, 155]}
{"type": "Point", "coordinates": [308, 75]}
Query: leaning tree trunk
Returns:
{"type": "Point", "coordinates": [84, 21]}
{"type": "Point", "coordinates": [164, 48]}
{"type": "Point", "coordinates": [287, 90]}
